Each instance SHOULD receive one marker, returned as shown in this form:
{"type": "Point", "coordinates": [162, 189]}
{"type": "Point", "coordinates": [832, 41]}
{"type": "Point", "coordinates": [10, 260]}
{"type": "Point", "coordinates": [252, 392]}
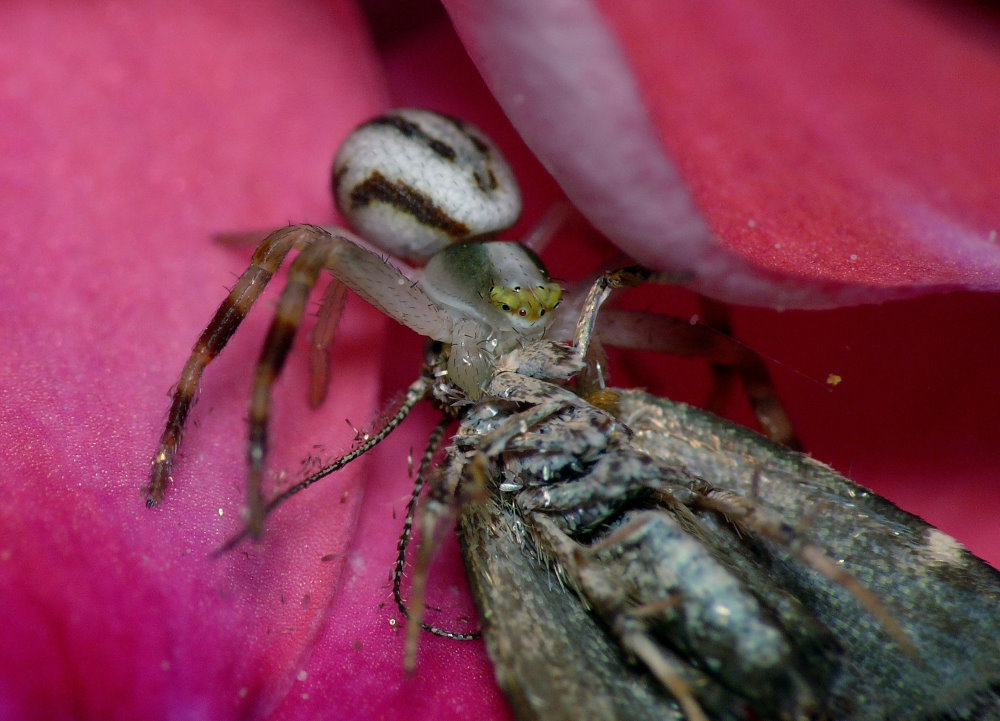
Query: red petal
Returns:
{"type": "Point", "coordinates": [785, 155]}
{"type": "Point", "coordinates": [133, 133]}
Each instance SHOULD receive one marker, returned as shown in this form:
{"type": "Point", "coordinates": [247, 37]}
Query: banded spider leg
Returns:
{"type": "Point", "coordinates": [371, 277]}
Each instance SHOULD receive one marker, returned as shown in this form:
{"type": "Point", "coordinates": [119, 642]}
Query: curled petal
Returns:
{"type": "Point", "coordinates": [785, 155]}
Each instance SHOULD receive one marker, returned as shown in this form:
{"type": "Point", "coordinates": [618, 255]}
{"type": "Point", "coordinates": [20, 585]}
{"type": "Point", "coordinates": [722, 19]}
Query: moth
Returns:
{"type": "Point", "coordinates": [661, 547]}
{"type": "Point", "coordinates": [630, 557]}
{"type": "Point", "coordinates": [944, 597]}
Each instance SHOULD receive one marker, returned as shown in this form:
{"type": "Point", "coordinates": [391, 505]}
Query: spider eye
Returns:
{"type": "Point", "coordinates": [529, 302]}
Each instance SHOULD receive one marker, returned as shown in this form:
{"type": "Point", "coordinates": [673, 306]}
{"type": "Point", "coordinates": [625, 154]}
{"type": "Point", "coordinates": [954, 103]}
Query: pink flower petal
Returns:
{"type": "Point", "coordinates": [786, 156]}
{"type": "Point", "coordinates": [133, 135]}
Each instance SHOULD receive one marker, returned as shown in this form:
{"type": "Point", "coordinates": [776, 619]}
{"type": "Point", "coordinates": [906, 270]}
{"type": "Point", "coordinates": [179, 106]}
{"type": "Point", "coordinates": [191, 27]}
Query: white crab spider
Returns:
{"type": "Point", "coordinates": [423, 186]}
{"type": "Point", "coordinates": [433, 190]}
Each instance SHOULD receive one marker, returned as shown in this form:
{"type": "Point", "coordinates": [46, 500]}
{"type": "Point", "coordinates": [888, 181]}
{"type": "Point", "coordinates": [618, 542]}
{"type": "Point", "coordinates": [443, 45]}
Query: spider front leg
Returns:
{"type": "Point", "coordinates": [373, 279]}
{"type": "Point", "coordinates": [266, 261]}
{"type": "Point", "coordinates": [712, 341]}
{"type": "Point", "coordinates": [370, 276]}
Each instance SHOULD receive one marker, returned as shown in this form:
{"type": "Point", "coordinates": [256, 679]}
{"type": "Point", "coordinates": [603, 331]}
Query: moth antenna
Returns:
{"type": "Point", "coordinates": [433, 444]}
{"type": "Point", "coordinates": [417, 391]}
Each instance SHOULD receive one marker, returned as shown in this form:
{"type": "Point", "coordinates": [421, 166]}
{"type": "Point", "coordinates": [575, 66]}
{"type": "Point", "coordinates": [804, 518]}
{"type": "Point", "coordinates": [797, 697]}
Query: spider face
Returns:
{"type": "Point", "coordinates": [503, 286]}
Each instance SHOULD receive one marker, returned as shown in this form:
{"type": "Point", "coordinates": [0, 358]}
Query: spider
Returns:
{"type": "Point", "coordinates": [436, 191]}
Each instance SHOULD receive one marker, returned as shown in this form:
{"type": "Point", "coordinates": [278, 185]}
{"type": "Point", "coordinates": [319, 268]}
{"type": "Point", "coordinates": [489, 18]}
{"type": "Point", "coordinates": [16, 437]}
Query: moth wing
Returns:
{"type": "Point", "coordinates": [947, 599]}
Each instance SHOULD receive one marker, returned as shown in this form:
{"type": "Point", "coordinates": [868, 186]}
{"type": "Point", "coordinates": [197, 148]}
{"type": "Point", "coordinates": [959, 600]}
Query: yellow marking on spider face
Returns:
{"type": "Point", "coordinates": [528, 303]}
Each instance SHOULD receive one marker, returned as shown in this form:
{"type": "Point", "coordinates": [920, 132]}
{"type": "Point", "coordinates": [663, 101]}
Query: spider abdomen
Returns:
{"type": "Point", "coordinates": [414, 182]}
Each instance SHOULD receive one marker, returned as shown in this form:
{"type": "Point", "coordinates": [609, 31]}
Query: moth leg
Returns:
{"type": "Point", "coordinates": [417, 391]}
{"type": "Point", "coordinates": [619, 479]}
{"type": "Point", "coordinates": [266, 261]}
{"type": "Point", "coordinates": [680, 610]}
{"type": "Point", "coordinates": [608, 598]}
{"type": "Point", "coordinates": [626, 479]}
{"type": "Point", "coordinates": [749, 516]}
{"type": "Point", "coordinates": [664, 666]}
{"type": "Point", "coordinates": [423, 473]}
{"type": "Point", "coordinates": [321, 340]}
{"type": "Point", "coordinates": [434, 519]}
{"type": "Point", "coordinates": [603, 492]}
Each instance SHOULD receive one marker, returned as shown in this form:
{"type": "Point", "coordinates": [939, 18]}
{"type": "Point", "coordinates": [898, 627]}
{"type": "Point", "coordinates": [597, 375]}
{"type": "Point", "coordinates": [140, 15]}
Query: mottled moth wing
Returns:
{"type": "Point", "coordinates": [947, 599]}
{"type": "Point", "coordinates": [551, 659]}
{"type": "Point", "coordinates": [555, 661]}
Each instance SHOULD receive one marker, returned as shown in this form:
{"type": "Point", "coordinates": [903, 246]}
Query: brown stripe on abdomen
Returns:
{"type": "Point", "coordinates": [411, 130]}
{"type": "Point", "coordinates": [376, 187]}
